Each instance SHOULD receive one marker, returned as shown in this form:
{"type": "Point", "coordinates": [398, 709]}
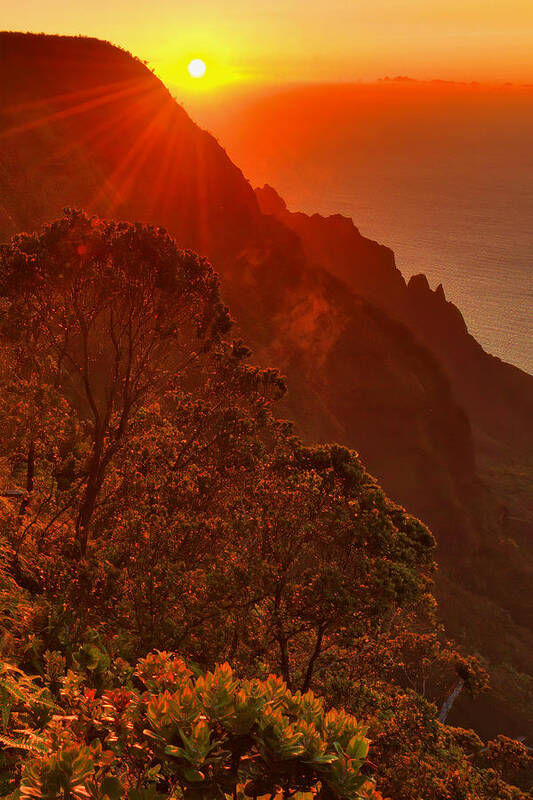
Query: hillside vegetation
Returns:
{"type": "Point", "coordinates": [162, 522]}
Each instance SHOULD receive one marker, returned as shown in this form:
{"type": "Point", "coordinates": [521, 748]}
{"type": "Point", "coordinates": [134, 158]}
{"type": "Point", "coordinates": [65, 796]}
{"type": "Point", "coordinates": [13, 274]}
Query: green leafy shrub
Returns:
{"type": "Point", "coordinates": [170, 734]}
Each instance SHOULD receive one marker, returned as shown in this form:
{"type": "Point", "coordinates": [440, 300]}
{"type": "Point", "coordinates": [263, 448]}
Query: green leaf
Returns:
{"type": "Point", "coordinates": [112, 787]}
{"type": "Point", "coordinates": [193, 775]}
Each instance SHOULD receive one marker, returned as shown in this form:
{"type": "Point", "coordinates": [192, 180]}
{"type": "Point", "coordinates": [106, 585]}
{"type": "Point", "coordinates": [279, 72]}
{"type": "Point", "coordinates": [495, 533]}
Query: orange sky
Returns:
{"type": "Point", "coordinates": [277, 41]}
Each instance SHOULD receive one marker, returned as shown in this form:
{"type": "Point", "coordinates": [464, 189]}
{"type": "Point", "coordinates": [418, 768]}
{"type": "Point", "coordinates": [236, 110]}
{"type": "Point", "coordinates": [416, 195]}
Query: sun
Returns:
{"type": "Point", "coordinates": [197, 68]}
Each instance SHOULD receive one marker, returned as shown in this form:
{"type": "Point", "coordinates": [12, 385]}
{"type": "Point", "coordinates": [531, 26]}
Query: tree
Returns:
{"type": "Point", "coordinates": [101, 319]}
{"type": "Point", "coordinates": [92, 309]}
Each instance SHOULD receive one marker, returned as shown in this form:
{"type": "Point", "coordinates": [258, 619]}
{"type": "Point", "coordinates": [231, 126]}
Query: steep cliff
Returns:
{"type": "Point", "coordinates": [497, 396]}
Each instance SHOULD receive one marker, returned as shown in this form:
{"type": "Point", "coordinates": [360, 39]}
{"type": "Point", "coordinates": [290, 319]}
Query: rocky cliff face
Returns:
{"type": "Point", "coordinates": [84, 124]}
{"type": "Point", "coordinates": [497, 396]}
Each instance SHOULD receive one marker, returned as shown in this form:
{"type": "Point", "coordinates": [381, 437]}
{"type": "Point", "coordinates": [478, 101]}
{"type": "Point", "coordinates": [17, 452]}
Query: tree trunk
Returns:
{"type": "Point", "coordinates": [86, 511]}
{"type": "Point", "coordinates": [30, 474]}
{"type": "Point", "coordinates": [312, 661]}
{"type": "Point", "coordinates": [450, 700]}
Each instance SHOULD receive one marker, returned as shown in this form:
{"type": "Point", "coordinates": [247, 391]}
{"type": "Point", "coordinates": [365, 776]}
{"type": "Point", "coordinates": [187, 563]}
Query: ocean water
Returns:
{"type": "Point", "coordinates": [443, 175]}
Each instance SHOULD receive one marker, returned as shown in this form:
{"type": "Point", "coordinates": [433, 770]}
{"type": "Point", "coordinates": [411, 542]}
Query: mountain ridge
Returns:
{"type": "Point", "coordinates": [335, 243]}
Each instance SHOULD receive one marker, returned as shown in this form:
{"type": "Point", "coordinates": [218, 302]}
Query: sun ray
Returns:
{"type": "Point", "coordinates": [78, 108]}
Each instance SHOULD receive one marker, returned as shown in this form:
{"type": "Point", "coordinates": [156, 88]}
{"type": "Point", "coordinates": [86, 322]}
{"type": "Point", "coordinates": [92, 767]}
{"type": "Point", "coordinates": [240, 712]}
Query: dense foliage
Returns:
{"type": "Point", "coordinates": [204, 737]}
{"type": "Point", "coordinates": [153, 502]}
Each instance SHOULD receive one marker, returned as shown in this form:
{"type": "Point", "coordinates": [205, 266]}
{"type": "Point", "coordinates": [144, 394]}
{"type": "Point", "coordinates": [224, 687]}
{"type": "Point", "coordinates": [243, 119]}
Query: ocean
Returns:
{"type": "Point", "coordinates": [441, 174]}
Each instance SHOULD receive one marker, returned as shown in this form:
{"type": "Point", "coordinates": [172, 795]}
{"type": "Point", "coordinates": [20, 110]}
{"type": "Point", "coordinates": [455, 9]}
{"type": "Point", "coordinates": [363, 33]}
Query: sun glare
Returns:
{"type": "Point", "coordinates": [197, 68]}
